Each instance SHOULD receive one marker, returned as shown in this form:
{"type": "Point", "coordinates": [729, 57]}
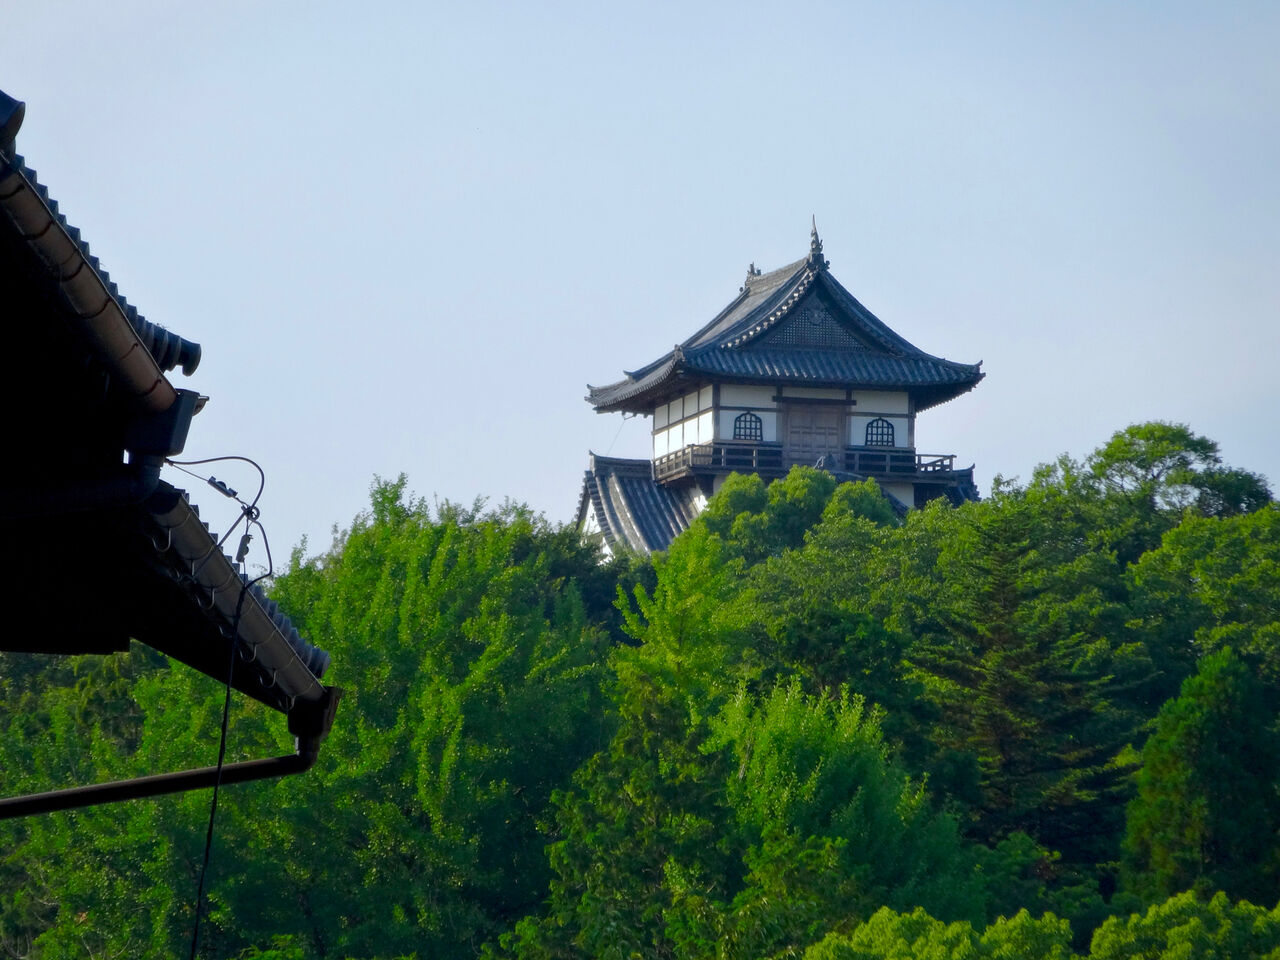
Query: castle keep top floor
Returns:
{"type": "Point", "coordinates": [797, 327]}
{"type": "Point", "coordinates": [793, 371]}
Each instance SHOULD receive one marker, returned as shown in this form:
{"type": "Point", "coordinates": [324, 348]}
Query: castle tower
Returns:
{"type": "Point", "coordinates": [793, 371]}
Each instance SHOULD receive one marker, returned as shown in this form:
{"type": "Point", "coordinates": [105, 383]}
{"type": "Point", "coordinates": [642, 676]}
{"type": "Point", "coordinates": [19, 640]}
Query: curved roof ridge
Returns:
{"type": "Point", "coordinates": [757, 327]}
{"type": "Point", "coordinates": [765, 305]}
{"type": "Point", "coordinates": [758, 290]}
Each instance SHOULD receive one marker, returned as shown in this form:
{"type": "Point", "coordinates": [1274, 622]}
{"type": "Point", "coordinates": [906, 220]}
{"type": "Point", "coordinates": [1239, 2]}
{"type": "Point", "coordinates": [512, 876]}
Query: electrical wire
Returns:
{"type": "Point", "coordinates": [625, 418]}
{"type": "Point", "coordinates": [249, 514]}
{"type": "Point", "coordinates": [222, 488]}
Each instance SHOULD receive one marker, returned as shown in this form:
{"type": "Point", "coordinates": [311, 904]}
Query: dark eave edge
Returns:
{"type": "Point", "coordinates": [260, 637]}
{"type": "Point", "coordinates": [83, 287]}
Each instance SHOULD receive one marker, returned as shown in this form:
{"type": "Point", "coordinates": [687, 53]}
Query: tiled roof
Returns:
{"type": "Point", "coordinates": [634, 512]}
{"type": "Point", "coordinates": [167, 348]}
{"type": "Point", "coordinates": [109, 550]}
{"type": "Point", "coordinates": [759, 337]}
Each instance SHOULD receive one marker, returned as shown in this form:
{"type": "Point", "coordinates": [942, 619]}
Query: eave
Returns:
{"type": "Point", "coordinates": [736, 347]}
{"type": "Point", "coordinates": [102, 550]}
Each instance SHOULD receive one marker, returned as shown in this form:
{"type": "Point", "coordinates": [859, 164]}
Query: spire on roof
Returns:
{"type": "Point", "coordinates": [815, 246]}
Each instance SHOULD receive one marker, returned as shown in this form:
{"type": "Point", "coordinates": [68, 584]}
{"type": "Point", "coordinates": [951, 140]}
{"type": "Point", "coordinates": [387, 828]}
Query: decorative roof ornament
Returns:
{"type": "Point", "coordinates": [752, 271]}
{"type": "Point", "coordinates": [815, 246]}
{"type": "Point", "coordinates": [11, 113]}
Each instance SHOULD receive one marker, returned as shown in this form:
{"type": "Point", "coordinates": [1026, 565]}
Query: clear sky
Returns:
{"type": "Point", "coordinates": [408, 234]}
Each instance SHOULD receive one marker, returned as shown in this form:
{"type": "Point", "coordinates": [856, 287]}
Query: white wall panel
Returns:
{"type": "Point", "coordinates": [881, 401]}
{"type": "Point", "coordinates": [858, 429]}
{"type": "Point", "coordinates": [738, 395]}
{"type": "Point", "coordinates": [903, 491]}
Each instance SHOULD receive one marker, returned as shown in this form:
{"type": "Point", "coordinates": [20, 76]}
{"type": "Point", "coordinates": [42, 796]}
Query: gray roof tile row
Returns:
{"type": "Point", "coordinates": [740, 344]}
{"type": "Point", "coordinates": [634, 511]}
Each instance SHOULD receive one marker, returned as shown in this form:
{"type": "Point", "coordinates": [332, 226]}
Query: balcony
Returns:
{"type": "Point", "coordinates": [771, 461]}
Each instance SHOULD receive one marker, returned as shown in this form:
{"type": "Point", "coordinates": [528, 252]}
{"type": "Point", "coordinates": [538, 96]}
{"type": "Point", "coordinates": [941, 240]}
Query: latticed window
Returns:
{"type": "Point", "coordinates": [879, 433]}
{"type": "Point", "coordinates": [748, 426]}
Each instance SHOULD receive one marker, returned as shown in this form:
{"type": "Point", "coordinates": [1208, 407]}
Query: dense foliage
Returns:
{"type": "Point", "coordinates": [1019, 727]}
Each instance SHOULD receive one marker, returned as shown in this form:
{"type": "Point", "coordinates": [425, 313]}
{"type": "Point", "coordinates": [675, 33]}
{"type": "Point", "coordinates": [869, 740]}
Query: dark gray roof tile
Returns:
{"type": "Point", "coordinates": [634, 511]}
{"type": "Point", "coordinates": [742, 343]}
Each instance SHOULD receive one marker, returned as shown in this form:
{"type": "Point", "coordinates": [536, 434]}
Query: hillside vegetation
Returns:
{"type": "Point", "coordinates": [1043, 725]}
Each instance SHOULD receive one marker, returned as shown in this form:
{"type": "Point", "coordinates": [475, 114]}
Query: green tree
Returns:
{"type": "Point", "coordinates": [472, 660]}
{"type": "Point", "coordinates": [1186, 926]}
{"type": "Point", "coordinates": [1207, 812]}
{"type": "Point", "coordinates": [1024, 674]}
{"type": "Point", "coordinates": [1151, 472]}
{"type": "Point", "coordinates": [745, 835]}
{"type": "Point", "coordinates": [1213, 583]}
{"type": "Point", "coordinates": [918, 936]}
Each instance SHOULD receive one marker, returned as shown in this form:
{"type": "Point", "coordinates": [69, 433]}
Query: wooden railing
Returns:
{"type": "Point", "coordinates": [762, 458]}
{"type": "Point", "coordinates": [884, 462]}
{"type": "Point", "coordinates": [767, 459]}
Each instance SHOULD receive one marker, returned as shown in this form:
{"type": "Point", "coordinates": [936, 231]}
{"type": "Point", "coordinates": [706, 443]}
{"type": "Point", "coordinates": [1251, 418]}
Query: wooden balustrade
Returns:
{"type": "Point", "coordinates": [767, 459]}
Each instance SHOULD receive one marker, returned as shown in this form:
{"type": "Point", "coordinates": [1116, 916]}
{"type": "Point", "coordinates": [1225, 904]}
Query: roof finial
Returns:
{"type": "Point", "coordinates": [815, 245]}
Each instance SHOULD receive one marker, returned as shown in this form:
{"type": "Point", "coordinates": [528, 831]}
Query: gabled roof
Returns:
{"type": "Point", "coordinates": [100, 550]}
{"type": "Point", "coordinates": [794, 325]}
{"type": "Point", "coordinates": [632, 510]}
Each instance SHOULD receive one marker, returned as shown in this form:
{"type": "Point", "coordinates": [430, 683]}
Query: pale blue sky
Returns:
{"type": "Point", "coordinates": [407, 235]}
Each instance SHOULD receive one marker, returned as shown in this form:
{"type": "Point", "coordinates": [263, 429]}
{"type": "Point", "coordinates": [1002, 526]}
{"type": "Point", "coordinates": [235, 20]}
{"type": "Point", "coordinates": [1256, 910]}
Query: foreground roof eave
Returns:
{"type": "Point", "coordinates": [265, 635]}
{"type": "Point", "coordinates": [137, 350]}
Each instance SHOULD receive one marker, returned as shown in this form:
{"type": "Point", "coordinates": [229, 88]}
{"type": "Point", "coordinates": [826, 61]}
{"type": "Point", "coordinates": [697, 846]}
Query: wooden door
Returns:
{"type": "Point", "coordinates": [813, 430]}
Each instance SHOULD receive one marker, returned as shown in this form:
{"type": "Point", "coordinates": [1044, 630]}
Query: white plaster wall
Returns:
{"type": "Point", "coordinates": [882, 401]}
{"type": "Point", "coordinates": [706, 427]}
{"type": "Point", "coordinates": [903, 491]}
{"type": "Point", "coordinates": [590, 524]}
{"type": "Point", "coordinates": [673, 438]}
{"type": "Point", "coordinates": [858, 429]}
{"type": "Point", "coordinates": [768, 424]}
{"type": "Point", "coordinates": [726, 422]}
{"type": "Point", "coordinates": [669, 434]}
{"type": "Point", "coordinates": [739, 395]}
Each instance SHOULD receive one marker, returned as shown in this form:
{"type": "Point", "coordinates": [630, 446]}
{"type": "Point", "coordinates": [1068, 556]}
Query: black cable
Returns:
{"type": "Point", "coordinates": [222, 753]}
{"type": "Point", "coordinates": [249, 512]}
{"type": "Point", "coordinates": [262, 477]}
{"type": "Point", "coordinates": [226, 491]}
{"type": "Point", "coordinates": [246, 586]}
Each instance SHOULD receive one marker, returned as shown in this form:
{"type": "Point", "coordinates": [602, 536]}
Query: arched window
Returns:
{"type": "Point", "coordinates": [748, 426]}
{"type": "Point", "coordinates": [879, 433]}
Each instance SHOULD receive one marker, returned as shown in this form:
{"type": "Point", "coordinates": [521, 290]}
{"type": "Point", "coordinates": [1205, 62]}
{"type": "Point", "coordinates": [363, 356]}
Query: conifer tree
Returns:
{"type": "Point", "coordinates": [1207, 813]}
